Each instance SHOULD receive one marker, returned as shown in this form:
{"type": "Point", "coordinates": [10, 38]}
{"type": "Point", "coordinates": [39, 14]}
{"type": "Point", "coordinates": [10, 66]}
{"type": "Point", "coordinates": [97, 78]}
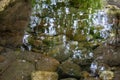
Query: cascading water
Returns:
{"type": "Point", "coordinates": [79, 31]}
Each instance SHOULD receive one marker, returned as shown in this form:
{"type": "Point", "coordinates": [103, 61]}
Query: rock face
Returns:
{"type": "Point", "coordinates": [19, 70]}
{"type": "Point", "coordinates": [44, 75]}
{"type": "Point", "coordinates": [108, 54]}
{"type": "Point", "coordinates": [13, 21]}
{"type": "Point", "coordinates": [41, 62]}
{"type": "Point", "coordinates": [19, 66]}
{"type": "Point", "coordinates": [47, 64]}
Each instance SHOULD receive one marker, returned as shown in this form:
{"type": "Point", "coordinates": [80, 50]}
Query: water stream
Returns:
{"type": "Point", "coordinates": [66, 30]}
{"type": "Point", "coordinates": [59, 19]}
{"type": "Point", "coordinates": [61, 27]}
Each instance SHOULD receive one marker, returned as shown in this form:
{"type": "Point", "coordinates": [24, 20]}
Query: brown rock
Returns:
{"type": "Point", "coordinates": [117, 75]}
{"type": "Point", "coordinates": [47, 64]}
{"type": "Point", "coordinates": [18, 70]}
{"type": "Point", "coordinates": [42, 62]}
{"type": "Point", "coordinates": [60, 53]}
{"type": "Point", "coordinates": [13, 21]}
{"type": "Point", "coordinates": [108, 54]}
{"type": "Point", "coordinates": [44, 75]}
{"type": "Point", "coordinates": [68, 68]}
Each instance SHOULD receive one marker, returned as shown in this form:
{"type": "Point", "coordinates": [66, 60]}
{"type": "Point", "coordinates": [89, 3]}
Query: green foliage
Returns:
{"type": "Point", "coordinates": [33, 2]}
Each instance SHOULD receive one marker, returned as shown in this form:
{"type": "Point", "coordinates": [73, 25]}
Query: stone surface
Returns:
{"type": "Point", "coordinates": [19, 70]}
{"type": "Point", "coordinates": [42, 62]}
{"type": "Point", "coordinates": [47, 64]}
{"type": "Point", "coordinates": [108, 54]}
{"type": "Point", "coordinates": [13, 21]}
{"type": "Point", "coordinates": [60, 52]}
{"type": "Point", "coordinates": [44, 75]}
{"type": "Point", "coordinates": [69, 68]}
{"type": "Point", "coordinates": [114, 2]}
{"type": "Point", "coordinates": [117, 75]}
{"type": "Point", "coordinates": [21, 64]}
{"type": "Point", "coordinates": [8, 59]}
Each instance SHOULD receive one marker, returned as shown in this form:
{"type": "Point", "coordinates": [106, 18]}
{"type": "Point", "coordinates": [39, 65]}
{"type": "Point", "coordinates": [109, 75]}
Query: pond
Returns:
{"type": "Point", "coordinates": [68, 29]}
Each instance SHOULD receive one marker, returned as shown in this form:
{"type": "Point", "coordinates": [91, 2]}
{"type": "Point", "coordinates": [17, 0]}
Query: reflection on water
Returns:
{"type": "Point", "coordinates": [59, 22]}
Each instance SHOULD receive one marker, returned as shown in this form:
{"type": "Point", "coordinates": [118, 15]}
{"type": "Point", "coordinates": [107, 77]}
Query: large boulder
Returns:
{"type": "Point", "coordinates": [13, 21]}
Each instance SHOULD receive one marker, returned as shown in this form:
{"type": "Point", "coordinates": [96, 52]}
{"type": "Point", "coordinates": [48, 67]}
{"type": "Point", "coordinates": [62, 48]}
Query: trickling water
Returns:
{"type": "Point", "coordinates": [74, 32]}
{"type": "Point", "coordinates": [58, 18]}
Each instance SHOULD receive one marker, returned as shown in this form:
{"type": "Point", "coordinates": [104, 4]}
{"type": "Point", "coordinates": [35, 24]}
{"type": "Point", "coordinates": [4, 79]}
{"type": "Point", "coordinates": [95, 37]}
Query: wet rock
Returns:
{"type": "Point", "coordinates": [68, 68]}
{"type": "Point", "coordinates": [44, 75]}
{"type": "Point", "coordinates": [68, 79]}
{"type": "Point", "coordinates": [107, 75]}
{"type": "Point", "coordinates": [19, 70]}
